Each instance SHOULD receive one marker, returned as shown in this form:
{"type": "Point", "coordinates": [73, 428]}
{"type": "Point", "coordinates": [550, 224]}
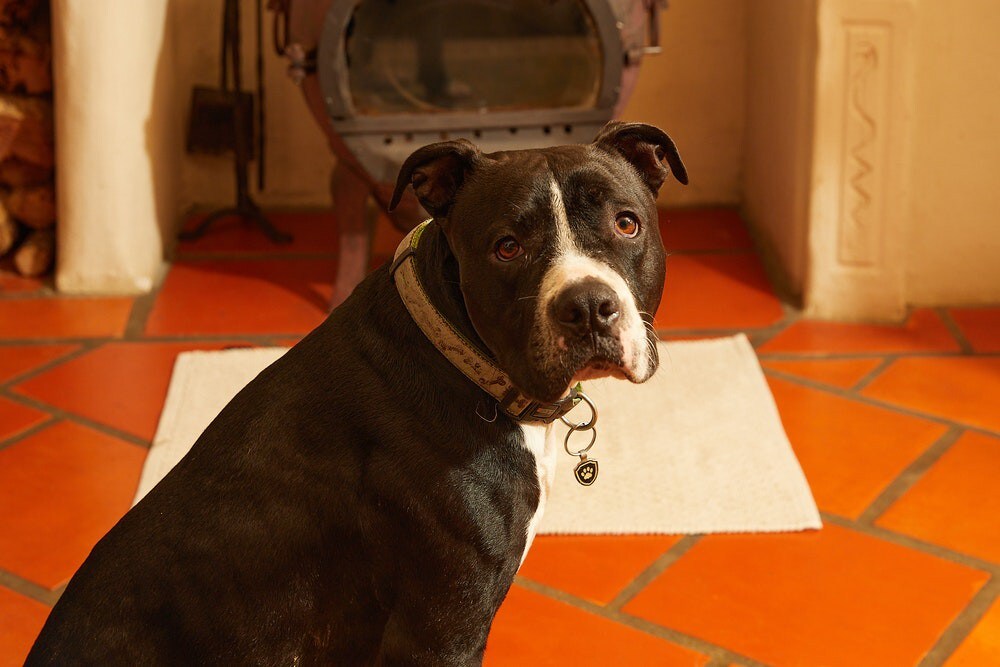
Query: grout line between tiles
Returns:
{"type": "Point", "coordinates": [47, 292]}
{"type": "Point", "coordinates": [143, 306]}
{"type": "Point", "coordinates": [718, 661]}
{"type": "Point", "coordinates": [658, 566]}
{"type": "Point", "coordinates": [955, 634]}
{"type": "Point", "coordinates": [762, 337]}
{"type": "Point", "coordinates": [276, 341]}
{"type": "Point", "coordinates": [49, 365]}
{"type": "Point", "coordinates": [54, 340]}
{"type": "Point", "coordinates": [872, 374]}
{"type": "Point", "coordinates": [695, 252]}
{"type": "Point", "coordinates": [874, 402]}
{"type": "Point", "coordinates": [171, 338]}
{"type": "Point", "coordinates": [904, 540]}
{"type": "Point", "coordinates": [954, 330]}
{"type": "Point", "coordinates": [668, 334]}
{"type": "Point", "coordinates": [27, 433]}
{"type": "Point", "coordinates": [910, 476]}
{"type": "Point", "coordinates": [30, 589]}
{"type": "Point", "coordinates": [894, 354]}
{"type": "Point", "coordinates": [925, 415]}
{"type": "Point", "coordinates": [687, 641]}
{"type": "Point", "coordinates": [255, 338]}
{"type": "Point", "coordinates": [254, 256]}
{"type": "Point", "coordinates": [61, 414]}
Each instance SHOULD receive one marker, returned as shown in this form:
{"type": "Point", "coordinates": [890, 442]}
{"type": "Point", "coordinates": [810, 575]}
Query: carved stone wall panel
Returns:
{"type": "Point", "coordinates": [859, 196]}
{"type": "Point", "coordinates": [859, 241]}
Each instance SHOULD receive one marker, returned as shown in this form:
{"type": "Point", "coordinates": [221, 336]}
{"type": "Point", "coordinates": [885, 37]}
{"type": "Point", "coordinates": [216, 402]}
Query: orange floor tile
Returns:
{"type": "Point", "coordinates": [703, 229]}
{"type": "Point", "coordinates": [843, 373]}
{"type": "Point", "coordinates": [729, 291]}
{"type": "Point", "coordinates": [132, 377]}
{"type": "Point", "coordinates": [12, 282]}
{"type": "Point", "coordinates": [386, 238]}
{"type": "Point", "coordinates": [64, 318]}
{"type": "Point", "coordinates": [563, 561]}
{"type": "Point", "coordinates": [311, 233]}
{"type": "Point", "coordinates": [900, 566]}
{"type": "Point", "coordinates": [982, 646]}
{"type": "Point", "coordinates": [831, 597]}
{"type": "Point", "coordinates": [980, 326]}
{"type": "Point", "coordinates": [531, 629]}
{"type": "Point", "coordinates": [19, 359]}
{"type": "Point", "coordinates": [61, 489]}
{"type": "Point", "coordinates": [21, 618]}
{"type": "Point", "coordinates": [849, 451]}
{"type": "Point", "coordinates": [923, 331]}
{"type": "Point", "coordinates": [15, 418]}
{"type": "Point", "coordinates": [957, 502]}
{"type": "Point", "coordinates": [964, 389]}
{"type": "Point", "coordinates": [242, 297]}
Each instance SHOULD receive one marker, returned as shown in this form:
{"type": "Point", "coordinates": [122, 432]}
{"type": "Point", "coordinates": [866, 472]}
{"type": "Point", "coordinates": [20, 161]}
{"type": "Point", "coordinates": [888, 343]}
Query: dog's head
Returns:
{"type": "Point", "coordinates": [558, 249]}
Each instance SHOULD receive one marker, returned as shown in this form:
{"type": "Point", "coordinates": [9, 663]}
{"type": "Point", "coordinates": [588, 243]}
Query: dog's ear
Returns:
{"type": "Point", "coordinates": [436, 172]}
{"type": "Point", "coordinates": [645, 147]}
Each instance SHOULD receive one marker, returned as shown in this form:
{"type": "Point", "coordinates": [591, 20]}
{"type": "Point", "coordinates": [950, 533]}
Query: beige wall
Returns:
{"type": "Point", "coordinates": [953, 243]}
{"type": "Point", "coordinates": [939, 231]}
{"type": "Point", "coordinates": [779, 71]}
{"type": "Point", "coordinates": [696, 91]}
{"type": "Point", "coordinates": [298, 160]}
{"type": "Point", "coordinates": [735, 88]}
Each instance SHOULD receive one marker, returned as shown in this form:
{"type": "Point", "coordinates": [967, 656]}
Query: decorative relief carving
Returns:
{"type": "Point", "coordinates": [862, 135]}
{"type": "Point", "coordinates": [866, 85]}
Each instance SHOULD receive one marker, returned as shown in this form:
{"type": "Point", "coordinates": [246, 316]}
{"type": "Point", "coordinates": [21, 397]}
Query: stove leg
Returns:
{"type": "Point", "coordinates": [356, 224]}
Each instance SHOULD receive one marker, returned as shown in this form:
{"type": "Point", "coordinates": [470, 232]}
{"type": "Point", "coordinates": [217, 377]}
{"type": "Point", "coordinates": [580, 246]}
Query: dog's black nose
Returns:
{"type": "Point", "coordinates": [585, 307]}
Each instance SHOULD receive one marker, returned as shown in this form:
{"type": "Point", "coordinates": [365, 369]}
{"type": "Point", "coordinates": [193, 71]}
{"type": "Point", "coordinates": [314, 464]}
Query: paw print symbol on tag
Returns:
{"type": "Point", "coordinates": [586, 471]}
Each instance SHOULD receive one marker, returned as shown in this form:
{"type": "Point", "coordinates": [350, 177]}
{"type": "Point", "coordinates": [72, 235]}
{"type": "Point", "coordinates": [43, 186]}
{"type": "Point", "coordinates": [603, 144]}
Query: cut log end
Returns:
{"type": "Point", "coordinates": [36, 255]}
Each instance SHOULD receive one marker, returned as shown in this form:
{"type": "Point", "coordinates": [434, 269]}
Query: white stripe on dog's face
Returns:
{"type": "Point", "coordinates": [570, 266]}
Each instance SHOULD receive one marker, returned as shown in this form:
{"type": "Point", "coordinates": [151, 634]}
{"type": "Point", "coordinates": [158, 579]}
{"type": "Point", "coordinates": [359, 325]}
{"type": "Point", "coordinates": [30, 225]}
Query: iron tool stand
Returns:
{"type": "Point", "coordinates": [245, 207]}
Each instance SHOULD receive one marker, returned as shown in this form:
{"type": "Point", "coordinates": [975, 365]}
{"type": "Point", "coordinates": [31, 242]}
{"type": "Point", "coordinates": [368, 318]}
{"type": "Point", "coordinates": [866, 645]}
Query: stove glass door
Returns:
{"type": "Point", "coordinates": [428, 56]}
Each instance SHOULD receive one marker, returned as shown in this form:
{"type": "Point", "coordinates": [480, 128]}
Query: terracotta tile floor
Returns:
{"type": "Point", "coordinates": [897, 429]}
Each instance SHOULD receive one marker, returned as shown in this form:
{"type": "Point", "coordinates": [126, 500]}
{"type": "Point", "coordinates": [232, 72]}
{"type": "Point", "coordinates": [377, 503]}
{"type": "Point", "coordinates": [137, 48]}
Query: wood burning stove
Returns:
{"type": "Point", "coordinates": [384, 77]}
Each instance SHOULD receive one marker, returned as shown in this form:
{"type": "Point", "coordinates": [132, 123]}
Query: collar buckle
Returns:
{"type": "Point", "coordinates": [549, 412]}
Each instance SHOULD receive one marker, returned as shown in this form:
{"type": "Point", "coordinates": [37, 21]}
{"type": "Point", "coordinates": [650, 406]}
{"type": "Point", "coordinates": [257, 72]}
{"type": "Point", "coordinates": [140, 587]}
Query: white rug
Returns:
{"type": "Point", "coordinates": [697, 449]}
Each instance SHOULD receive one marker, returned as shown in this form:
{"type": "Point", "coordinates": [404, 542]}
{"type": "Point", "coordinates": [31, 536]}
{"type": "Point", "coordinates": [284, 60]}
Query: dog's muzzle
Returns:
{"type": "Point", "coordinates": [586, 309]}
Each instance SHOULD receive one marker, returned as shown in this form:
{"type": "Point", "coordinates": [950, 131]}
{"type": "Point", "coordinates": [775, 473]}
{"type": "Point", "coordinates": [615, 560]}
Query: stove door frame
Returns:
{"type": "Point", "coordinates": [332, 72]}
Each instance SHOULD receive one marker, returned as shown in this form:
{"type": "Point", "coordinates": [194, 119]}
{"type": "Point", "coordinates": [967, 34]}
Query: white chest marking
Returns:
{"type": "Point", "coordinates": [541, 441]}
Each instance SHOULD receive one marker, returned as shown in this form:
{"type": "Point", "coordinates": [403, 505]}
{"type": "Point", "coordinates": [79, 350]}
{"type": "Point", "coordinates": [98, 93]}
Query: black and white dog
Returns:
{"type": "Point", "coordinates": [362, 501]}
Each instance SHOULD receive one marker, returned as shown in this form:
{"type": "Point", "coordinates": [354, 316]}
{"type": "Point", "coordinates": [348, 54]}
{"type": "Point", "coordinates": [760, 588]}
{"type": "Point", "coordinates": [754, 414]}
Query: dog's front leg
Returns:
{"type": "Point", "coordinates": [434, 636]}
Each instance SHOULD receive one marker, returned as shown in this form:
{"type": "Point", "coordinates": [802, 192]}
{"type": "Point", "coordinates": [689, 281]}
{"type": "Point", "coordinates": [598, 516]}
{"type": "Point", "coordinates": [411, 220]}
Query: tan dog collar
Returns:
{"type": "Point", "coordinates": [462, 353]}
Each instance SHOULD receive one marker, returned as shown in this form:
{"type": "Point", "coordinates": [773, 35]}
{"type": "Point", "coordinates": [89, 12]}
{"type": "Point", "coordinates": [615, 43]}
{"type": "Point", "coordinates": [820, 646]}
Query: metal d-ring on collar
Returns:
{"type": "Point", "coordinates": [589, 425]}
{"type": "Point", "coordinates": [586, 470]}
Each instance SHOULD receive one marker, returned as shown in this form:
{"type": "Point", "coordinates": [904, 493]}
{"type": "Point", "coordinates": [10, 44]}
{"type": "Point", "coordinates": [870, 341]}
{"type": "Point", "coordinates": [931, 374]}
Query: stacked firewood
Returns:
{"type": "Point", "coordinates": [27, 156]}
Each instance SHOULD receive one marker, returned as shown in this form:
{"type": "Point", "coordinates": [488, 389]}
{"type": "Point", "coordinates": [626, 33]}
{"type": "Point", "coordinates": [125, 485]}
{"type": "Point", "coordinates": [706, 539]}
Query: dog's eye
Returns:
{"type": "Point", "coordinates": [508, 248]}
{"type": "Point", "coordinates": [627, 225]}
